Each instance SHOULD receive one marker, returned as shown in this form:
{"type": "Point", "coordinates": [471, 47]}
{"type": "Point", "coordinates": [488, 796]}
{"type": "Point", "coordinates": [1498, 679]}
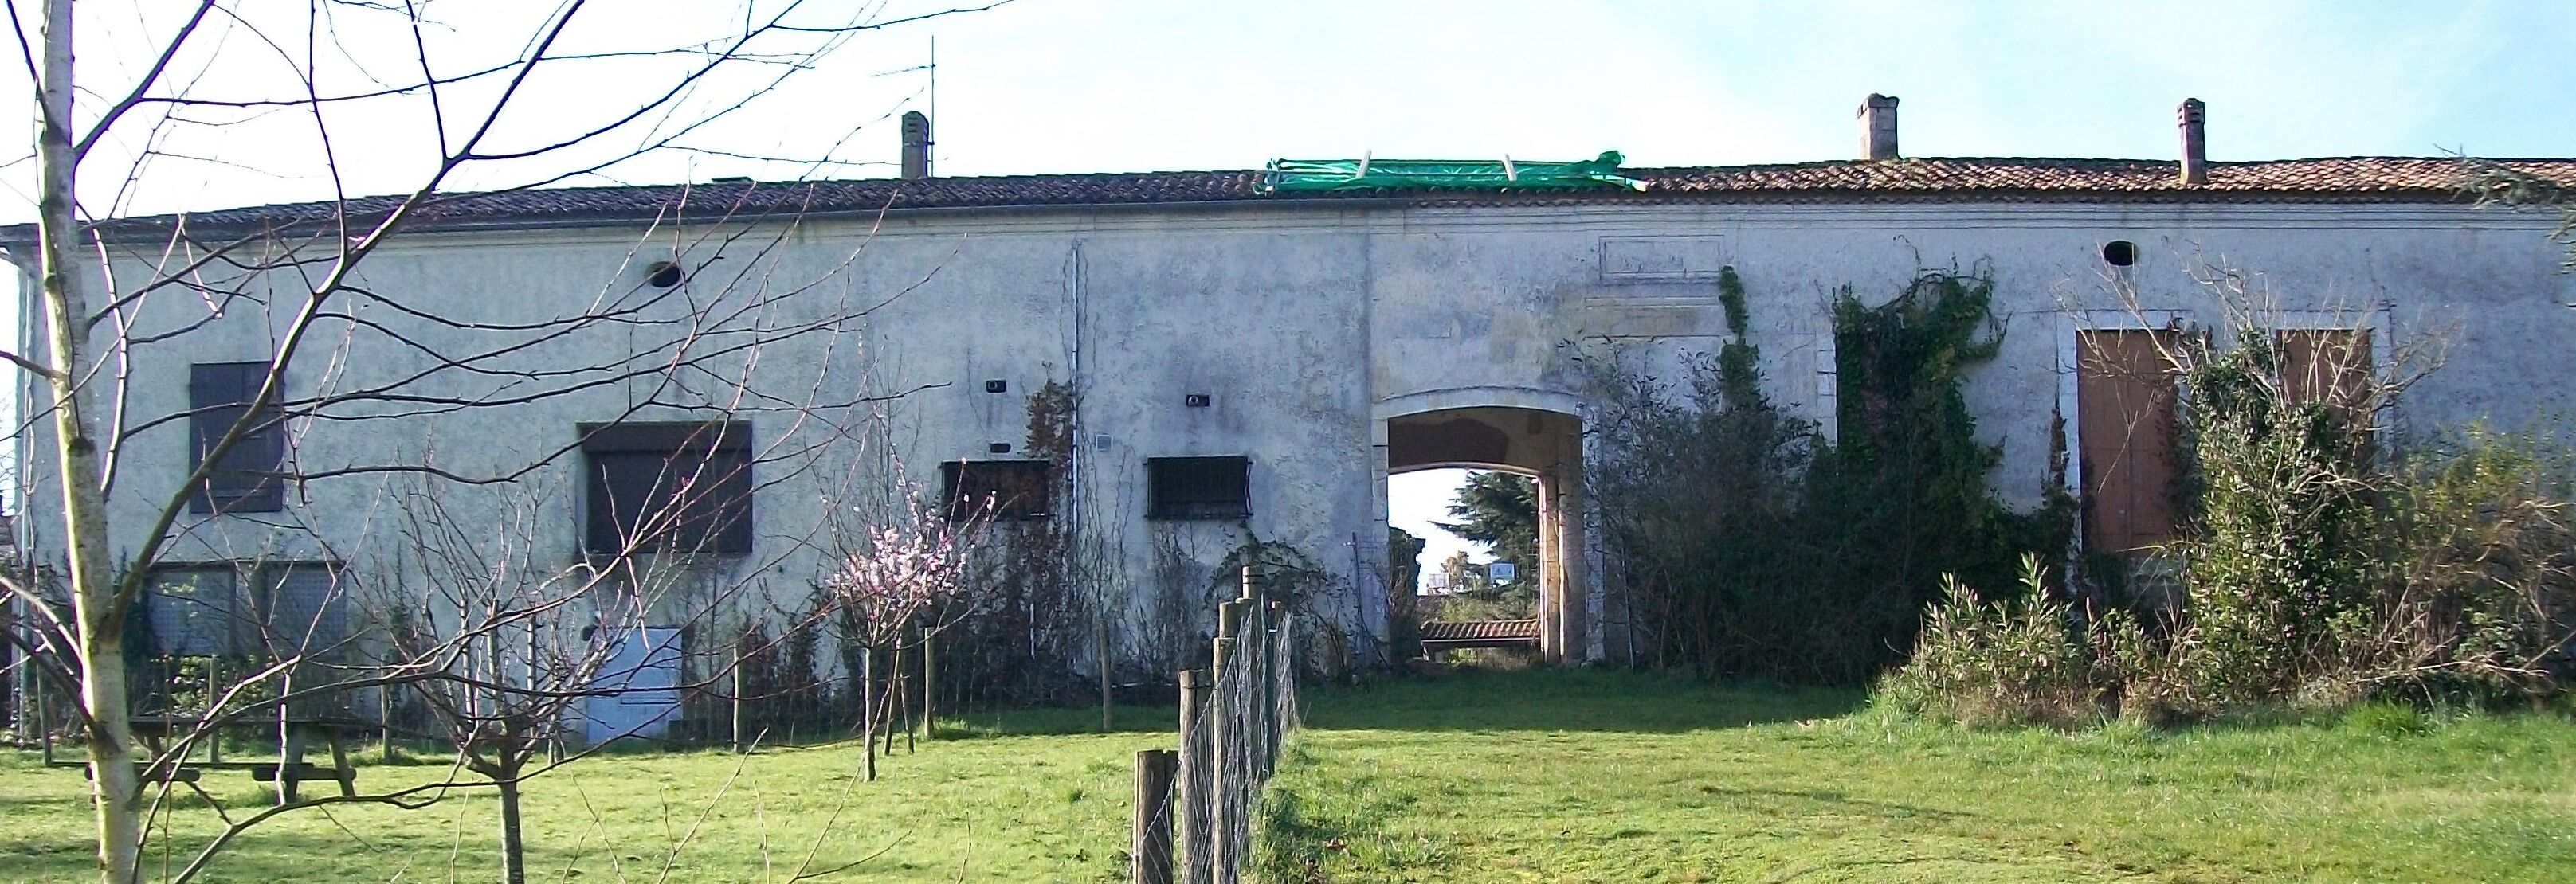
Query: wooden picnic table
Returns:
{"type": "Point", "coordinates": [154, 731]}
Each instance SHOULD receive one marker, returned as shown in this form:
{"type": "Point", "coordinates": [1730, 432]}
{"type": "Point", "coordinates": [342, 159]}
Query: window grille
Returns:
{"type": "Point", "coordinates": [1198, 487]}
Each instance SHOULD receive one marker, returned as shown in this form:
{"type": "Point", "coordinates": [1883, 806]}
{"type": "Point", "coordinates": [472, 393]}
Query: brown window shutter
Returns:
{"type": "Point", "coordinates": [2125, 403]}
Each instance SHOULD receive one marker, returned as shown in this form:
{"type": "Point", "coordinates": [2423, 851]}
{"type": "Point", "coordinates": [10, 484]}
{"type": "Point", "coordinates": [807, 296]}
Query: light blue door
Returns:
{"type": "Point", "coordinates": [643, 676]}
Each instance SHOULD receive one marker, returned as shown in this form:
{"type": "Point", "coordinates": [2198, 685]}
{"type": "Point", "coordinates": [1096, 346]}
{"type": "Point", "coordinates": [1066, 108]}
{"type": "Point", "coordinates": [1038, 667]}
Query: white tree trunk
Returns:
{"type": "Point", "coordinates": [115, 790]}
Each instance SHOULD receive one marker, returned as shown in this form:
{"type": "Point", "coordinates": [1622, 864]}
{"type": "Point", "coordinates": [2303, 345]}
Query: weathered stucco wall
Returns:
{"type": "Point", "coordinates": [1308, 327]}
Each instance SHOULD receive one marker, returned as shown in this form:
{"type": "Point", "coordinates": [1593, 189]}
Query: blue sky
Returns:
{"type": "Point", "coordinates": [1115, 85]}
{"type": "Point", "coordinates": [1124, 85]}
{"type": "Point", "coordinates": [1143, 84]}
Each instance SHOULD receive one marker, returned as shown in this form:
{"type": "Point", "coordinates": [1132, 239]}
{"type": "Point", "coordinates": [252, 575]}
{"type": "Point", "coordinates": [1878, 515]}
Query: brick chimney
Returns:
{"type": "Point", "coordinates": [2193, 117]}
{"type": "Point", "coordinates": [1878, 127]}
{"type": "Point", "coordinates": [916, 145]}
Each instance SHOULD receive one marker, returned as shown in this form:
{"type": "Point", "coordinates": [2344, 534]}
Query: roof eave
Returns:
{"type": "Point", "coordinates": [19, 237]}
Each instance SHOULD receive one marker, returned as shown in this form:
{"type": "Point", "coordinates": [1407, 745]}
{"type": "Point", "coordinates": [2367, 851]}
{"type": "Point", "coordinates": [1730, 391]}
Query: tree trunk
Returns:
{"type": "Point", "coordinates": [514, 845]}
{"type": "Point", "coordinates": [868, 708]}
{"type": "Point", "coordinates": [901, 699]}
{"type": "Point", "coordinates": [115, 788]}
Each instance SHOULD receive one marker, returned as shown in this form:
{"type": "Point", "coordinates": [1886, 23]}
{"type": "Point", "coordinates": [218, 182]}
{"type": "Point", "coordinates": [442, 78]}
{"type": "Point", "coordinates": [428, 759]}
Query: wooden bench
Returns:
{"type": "Point", "coordinates": [156, 774]}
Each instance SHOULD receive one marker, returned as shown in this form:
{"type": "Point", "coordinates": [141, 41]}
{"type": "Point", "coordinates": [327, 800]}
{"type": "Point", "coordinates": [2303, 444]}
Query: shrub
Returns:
{"type": "Point", "coordinates": [2482, 593]}
{"type": "Point", "coordinates": [2320, 574]}
{"type": "Point", "coordinates": [2000, 663]}
{"type": "Point", "coordinates": [1516, 601]}
{"type": "Point", "coordinates": [2316, 573]}
{"type": "Point", "coordinates": [2283, 554]}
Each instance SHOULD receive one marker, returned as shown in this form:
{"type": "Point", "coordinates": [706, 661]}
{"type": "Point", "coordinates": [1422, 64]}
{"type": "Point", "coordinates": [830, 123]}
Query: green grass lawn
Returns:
{"type": "Point", "coordinates": [1531, 776]}
{"type": "Point", "coordinates": [1029, 798]}
{"type": "Point", "coordinates": [1585, 776]}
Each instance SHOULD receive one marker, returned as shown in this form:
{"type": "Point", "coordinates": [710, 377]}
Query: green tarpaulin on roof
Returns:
{"type": "Point", "coordinates": [1505, 174]}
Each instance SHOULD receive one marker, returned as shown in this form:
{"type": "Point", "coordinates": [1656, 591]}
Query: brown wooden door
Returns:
{"type": "Point", "coordinates": [2125, 418]}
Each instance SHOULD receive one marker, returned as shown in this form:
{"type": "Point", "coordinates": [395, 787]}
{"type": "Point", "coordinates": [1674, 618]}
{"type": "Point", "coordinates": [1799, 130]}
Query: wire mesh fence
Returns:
{"type": "Point", "coordinates": [1235, 716]}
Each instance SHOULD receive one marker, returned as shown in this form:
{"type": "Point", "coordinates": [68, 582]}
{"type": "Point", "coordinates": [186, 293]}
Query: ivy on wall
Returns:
{"type": "Point", "coordinates": [1748, 545]}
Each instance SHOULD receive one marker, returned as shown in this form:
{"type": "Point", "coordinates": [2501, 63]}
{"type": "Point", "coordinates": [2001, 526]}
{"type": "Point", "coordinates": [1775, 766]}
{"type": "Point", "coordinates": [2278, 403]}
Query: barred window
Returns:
{"type": "Point", "coordinates": [1198, 487]}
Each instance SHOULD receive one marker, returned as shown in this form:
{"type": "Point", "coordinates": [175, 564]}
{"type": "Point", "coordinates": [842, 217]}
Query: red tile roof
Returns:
{"type": "Point", "coordinates": [2341, 179]}
{"type": "Point", "coordinates": [2407, 178]}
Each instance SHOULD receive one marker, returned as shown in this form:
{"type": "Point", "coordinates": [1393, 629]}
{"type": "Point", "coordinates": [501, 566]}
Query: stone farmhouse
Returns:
{"type": "Point", "coordinates": [1184, 363]}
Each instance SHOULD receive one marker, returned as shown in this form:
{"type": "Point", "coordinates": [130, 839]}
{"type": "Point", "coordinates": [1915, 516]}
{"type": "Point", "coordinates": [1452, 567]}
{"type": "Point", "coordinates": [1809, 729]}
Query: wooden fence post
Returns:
{"type": "Point", "coordinates": [738, 747]}
{"type": "Point", "coordinates": [1198, 768]}
{"type": "Point", "coordinates": [45, 723]}
{"type": "Point", "coordinates": [1271, 725]}
{"type": "Point", "coordinates": [1288, 679]}
{"type": "Point", "coordinates": [1108, 721]}
{"type": "Point", "coordinates": [384, 719]}
{"type": "Point", "coordinates": [1150, 849]}
{"type": "Point", "coordinates": [1225, 730]}
{"type": "Point", "coordinates": [1256, 665]}
{"type": "Point", "coordinates": [215, 740]}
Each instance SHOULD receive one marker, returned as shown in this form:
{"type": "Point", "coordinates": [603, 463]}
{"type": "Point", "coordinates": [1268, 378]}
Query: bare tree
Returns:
{"type": "Point", "coordinates": [116, 297]}
{"type": "Point", "coordinates": [504, 651]}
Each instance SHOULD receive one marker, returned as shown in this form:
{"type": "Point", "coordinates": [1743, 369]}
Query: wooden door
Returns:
{"type": "Point", "coordinates": [2125, 419]}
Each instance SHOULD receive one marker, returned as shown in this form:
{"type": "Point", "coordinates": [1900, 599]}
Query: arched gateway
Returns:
{"type": "Point", "coordinates": [1536, 433]}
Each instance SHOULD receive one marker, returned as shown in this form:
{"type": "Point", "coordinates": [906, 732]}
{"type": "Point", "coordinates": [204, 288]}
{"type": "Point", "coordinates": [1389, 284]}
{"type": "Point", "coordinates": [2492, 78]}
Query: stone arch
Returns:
{"type": "Point", "coordinates": [1533, 432]}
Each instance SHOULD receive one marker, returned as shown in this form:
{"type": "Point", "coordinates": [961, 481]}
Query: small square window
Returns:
{"type": "Point", "coordinates": [1004, 489]}
{"type": "Point", "coordinates": [1198, 487]}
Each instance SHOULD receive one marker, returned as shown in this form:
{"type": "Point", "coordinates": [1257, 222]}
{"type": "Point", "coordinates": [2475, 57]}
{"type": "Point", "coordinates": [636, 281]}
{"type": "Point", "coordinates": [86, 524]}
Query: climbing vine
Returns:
{"type": "Point", "coordinates": [1035, 620]}
{"type": "Point", "coordinates": [1749, 545]}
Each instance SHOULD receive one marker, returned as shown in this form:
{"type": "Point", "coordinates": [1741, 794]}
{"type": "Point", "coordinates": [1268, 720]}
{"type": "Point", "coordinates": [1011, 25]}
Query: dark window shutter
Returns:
{"type": "Point", "coordinates": [721, 512]}
{"type": "Point", "coordinates": [684, 488]}
{"type": "Point", "coordinates": [251, 476]}
{"type": "Point", "coordinates": [1006, 490]}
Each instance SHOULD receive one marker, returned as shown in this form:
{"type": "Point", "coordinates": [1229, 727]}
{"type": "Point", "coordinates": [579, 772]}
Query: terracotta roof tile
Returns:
{"type": "Point", "coordinates": [2340, 179]}
{"type": "Point", "coordinates": [2418, 177]}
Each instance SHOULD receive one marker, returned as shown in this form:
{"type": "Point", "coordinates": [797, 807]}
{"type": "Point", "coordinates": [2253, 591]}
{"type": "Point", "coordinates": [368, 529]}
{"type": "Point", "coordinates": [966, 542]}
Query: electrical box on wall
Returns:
{"type": "Point", "coordinates": [999, 448]}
